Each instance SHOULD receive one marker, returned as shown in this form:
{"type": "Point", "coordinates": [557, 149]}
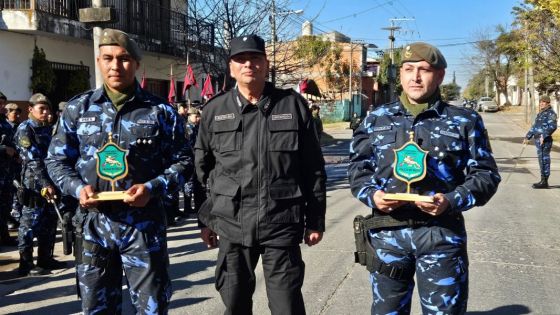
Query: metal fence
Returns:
{"type": "Point", "coordinates": [155, 28]}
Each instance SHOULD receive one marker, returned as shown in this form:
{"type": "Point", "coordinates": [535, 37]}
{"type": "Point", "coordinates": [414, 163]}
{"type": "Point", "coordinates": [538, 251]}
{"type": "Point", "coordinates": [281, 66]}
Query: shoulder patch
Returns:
{"type": "Point", "coordinates": [25, 142]}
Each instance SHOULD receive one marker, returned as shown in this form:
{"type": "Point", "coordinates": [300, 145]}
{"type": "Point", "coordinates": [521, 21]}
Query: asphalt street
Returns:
{"type": "Point", "coordinates": [513, 248]}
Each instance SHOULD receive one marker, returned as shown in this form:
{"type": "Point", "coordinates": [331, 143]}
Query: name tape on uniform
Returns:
{"type": "Point", "coordinates": [282, 117]}
{"type": "Point", "coordinates": [450, 134]}
{"type": "Point", "coordinates": [224, 117]}
{"type": "Point", "coordinates": [145, 122]}
{"type": "Point", "coordinates": [382, 128]}
{"type": "Point", "coordinates": [87, 119]}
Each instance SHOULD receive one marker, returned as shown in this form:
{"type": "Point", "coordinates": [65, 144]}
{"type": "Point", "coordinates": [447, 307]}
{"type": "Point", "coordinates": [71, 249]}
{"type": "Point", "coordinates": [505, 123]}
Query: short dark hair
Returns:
{"type": "Point", "coordinates": [315, 107]}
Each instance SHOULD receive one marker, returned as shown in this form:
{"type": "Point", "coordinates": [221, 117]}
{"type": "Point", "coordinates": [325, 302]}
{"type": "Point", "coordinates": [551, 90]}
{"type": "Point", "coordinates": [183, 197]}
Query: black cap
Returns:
{"type": "Point", "coordinates": [248, 43]}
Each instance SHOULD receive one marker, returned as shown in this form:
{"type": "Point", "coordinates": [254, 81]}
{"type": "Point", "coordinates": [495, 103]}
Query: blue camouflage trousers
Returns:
{"type": "Point", "coordinates": [140, 249]}
{"type": "Point", "coordinates": [543, 154]}
{"type": "Point", "coordinates": [37, 222]}
{"type": "Point", "coordinates": [439, 257]}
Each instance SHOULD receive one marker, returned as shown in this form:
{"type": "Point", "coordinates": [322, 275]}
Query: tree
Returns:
{"type": "Point", "coordinates": [450, 91]}
{"type": "Point", "coordinates": [476, 87]}
{"type": "Point", "coordinates": [228, 19]}
{"type": "Point", "coordinates": [539, 27]}
{"type": "Point", "coordinates": [498, 57]}
{"type": "Point", "coordinates": [43, 79]}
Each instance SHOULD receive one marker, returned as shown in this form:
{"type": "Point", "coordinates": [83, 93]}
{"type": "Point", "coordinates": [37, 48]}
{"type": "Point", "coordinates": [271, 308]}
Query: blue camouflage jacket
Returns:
{"type": "Point", "coordinates": [32, 140]}
{"type": "Point", "coordinates": [6, 140]}
{"type": "Point", "coordinates": [459, 162]}
{"type": "Point", "coordinates": [545, 125]}
{"type": "Point", "coordinates": [147, 126]}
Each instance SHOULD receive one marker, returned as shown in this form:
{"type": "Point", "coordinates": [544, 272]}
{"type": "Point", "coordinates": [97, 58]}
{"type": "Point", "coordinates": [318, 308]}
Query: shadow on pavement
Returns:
{"type": "Point", "coordinates": [46, 294]}
{"type": "Point", "coordinates": [504, 310]}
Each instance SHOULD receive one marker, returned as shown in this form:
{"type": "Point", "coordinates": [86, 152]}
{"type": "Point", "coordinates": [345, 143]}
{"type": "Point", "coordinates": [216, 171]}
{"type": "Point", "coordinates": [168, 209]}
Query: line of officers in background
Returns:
{"type": "Point", "coordinates": [30, 202]}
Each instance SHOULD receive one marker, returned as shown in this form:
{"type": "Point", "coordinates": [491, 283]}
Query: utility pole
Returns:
{"type": "Point", "coordinates": [273, 29]}
{"type": "Point", "coordinates": [272, 19]}
{"type": "Point", "coordinates": [392, 70]}
{"type": "Point", "coordinates": [96, 35]}
{"type": "Point", "coordinates": [97, 16]}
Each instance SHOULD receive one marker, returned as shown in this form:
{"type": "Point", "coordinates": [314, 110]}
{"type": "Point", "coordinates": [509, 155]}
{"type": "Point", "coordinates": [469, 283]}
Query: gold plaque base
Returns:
{"type": "Point", "coordinates": [408, 197]}
{"type": "Point", "coordinates": [109, 195]}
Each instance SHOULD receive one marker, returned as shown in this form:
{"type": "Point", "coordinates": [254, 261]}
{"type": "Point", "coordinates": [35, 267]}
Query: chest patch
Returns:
{"type": "Point", "coordinates": [229, 116]}
{"type": "Point", "coordinates": [282, 116]}
{"type": "Point", "coordinates": [449, 134]}
{"type": "Point", "coordinates": [87, 119]}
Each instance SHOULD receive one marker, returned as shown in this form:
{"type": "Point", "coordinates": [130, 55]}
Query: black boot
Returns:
{"type": "Point", "coordinates": [25, 262]}
{"type": "Point", "coordinates": [542, 184]}
{"type": "Point", "coordinates": [45, 261]}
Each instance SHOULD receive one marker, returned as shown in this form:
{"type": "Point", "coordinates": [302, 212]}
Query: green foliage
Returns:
{"type": "Point", "coordinates": [539, 28]}
{"type": "Point", "coordinates": [475, 88]}
{"type": "Point", "coordinates": [312, 50]}
{"type": "Point", "coordinates": [43, 79]}
{"type": "Point", "coordinates": [450, 91]}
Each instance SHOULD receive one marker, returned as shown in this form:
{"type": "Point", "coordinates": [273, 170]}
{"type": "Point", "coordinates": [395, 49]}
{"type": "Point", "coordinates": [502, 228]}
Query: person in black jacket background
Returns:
{"type": "Point", "coordinates": [259, 154]}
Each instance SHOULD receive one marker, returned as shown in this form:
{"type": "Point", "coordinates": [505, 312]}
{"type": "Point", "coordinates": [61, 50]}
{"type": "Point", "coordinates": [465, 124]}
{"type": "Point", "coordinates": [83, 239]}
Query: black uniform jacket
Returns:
{"type": "Point", "coordinates": [264, 168]}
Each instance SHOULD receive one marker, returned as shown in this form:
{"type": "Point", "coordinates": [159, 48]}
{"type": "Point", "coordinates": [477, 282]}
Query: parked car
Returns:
{"type": "Point", "coordinates": [487, 104]}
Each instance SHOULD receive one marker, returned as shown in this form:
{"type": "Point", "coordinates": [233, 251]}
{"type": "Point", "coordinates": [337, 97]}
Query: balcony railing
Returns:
{"type": "Point", "coordinates": [155, 28]}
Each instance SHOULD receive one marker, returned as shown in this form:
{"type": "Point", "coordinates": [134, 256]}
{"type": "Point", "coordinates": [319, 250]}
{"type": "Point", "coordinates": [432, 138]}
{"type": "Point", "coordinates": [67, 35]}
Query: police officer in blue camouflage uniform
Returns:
{"type": "Point", "coordinates": [544, 126]}
{"type": "Point", "coordinates": [124, 235]}
{"type": "Point", "coordinates": [426, 238]}
{"type": "Point", "coordinates": [38, 218]}
{"type": "Point", "coordinates": [8, 155]}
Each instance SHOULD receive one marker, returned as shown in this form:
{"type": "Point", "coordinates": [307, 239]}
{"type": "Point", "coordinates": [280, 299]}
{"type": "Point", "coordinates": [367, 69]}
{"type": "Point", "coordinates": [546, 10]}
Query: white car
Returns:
{"type": "Point", "coordinates": [487, 104]}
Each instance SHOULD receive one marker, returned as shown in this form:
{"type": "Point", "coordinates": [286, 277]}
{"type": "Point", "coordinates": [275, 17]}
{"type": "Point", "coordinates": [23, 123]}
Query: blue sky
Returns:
{"type": "Point", "coordinates": [448, 24]}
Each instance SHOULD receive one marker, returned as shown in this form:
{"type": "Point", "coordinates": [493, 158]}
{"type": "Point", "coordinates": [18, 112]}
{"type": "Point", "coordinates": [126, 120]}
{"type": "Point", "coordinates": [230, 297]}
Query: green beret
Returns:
{"type": "Point", "coordinates": [39, 98]}
{"type": "Point", "coordinates": [420, 51]}
{"type": "Point", "coordinates": [12, 106]}
{"type": "Point", "coordinates": [545, 98]}
{"type": "Point", "coordinates": [193, 111]}
{"type": "Point", "coordinates": [112, 37]}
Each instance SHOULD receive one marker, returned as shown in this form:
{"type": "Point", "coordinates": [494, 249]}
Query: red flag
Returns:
{"type": "Point", "coordinates": [171, 95]}
{"type": "Point", "coordinates": [302, 86]}
{"type": "Point", "coordinates": [143, 82]}
{"type": "Point", "coordinates": [207, 89]}
{"type": "Point", "coordinates": [189, 80]}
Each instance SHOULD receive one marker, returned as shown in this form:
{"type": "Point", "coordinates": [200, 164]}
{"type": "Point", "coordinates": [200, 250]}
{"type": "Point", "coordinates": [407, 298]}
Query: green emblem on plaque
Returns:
{"type": "Point", "coordinates": [111, 165]}
{"type": "Point", "coordinates": [409, 166]}
{"type": "Point", "coordinates": [111, 162]}
{"type": "Point", "coordinates": [410, 163]}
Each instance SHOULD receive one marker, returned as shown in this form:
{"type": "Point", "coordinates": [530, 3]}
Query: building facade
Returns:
{"type": "Point", "coordinates": [162, 28]}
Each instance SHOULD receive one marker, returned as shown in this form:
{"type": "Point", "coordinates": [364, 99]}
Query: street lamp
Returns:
{"type": "Point", "coordinates": [272, 17]}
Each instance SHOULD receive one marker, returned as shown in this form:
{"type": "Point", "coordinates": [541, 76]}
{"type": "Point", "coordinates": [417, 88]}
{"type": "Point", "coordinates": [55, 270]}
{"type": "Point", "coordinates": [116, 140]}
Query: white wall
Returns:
{"type": "Point", "coordinates": [16, 52]}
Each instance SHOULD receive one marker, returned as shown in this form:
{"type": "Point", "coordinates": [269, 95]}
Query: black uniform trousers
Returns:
{"type": "Point", "coordinates": [283, 273]}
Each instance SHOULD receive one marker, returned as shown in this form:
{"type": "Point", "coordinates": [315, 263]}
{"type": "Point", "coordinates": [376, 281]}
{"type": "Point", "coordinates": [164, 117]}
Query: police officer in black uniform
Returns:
{"type": "Point", "coordinates": [258, 151]}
